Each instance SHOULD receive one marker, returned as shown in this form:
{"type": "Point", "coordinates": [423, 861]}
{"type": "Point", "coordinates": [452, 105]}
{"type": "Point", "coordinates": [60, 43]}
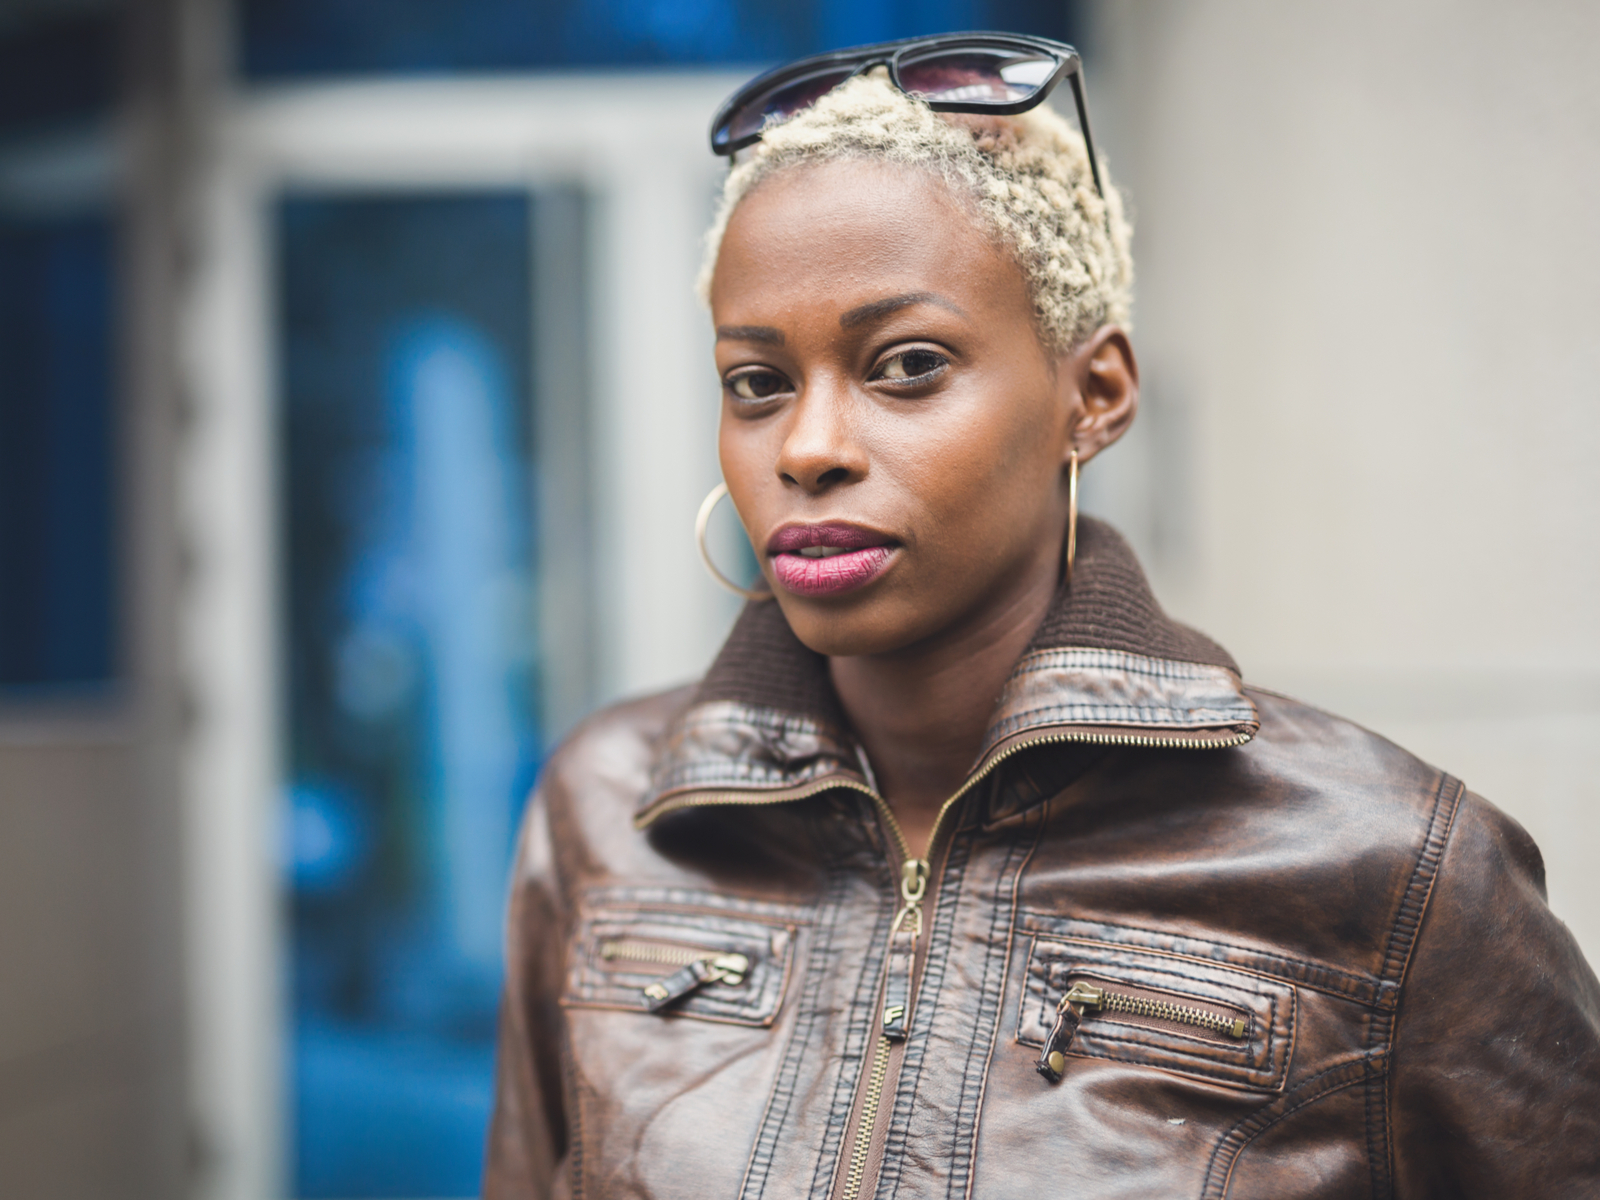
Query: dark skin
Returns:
{"type": "Point", "coordinates": [882, 366]}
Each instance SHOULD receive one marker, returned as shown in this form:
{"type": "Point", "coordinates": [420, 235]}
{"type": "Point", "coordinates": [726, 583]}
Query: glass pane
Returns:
{"type": "Point", "coordinates": [58, 65]}
{"type": "Point", "coordinates": [57, 590]}
{"type": "Point", "coordinates": [413, 722]}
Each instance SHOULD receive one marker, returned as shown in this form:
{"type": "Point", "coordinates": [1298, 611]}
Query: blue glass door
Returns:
{"type": "Point", "coordinates": [410, 544]}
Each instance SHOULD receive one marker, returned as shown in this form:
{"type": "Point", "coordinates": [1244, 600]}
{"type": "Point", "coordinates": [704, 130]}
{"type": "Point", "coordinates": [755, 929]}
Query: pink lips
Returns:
{"type": "Point", "coordinates": [861, 556]}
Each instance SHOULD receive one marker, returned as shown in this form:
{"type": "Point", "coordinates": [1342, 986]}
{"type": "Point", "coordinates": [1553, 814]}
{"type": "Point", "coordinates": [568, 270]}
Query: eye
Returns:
{"type": "Point", "coordinates": [757, 385]}
{"type": "Point", "coordinates": [911, 365]}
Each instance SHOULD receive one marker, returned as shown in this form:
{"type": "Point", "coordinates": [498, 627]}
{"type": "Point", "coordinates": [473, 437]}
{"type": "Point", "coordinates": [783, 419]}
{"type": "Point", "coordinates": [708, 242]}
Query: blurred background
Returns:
{"type": "Point", "coordinates": [355, 408]}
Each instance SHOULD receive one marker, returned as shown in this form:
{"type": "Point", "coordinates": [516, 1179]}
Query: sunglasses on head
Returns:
{"type": "Point", "coordinates": [952, 72]}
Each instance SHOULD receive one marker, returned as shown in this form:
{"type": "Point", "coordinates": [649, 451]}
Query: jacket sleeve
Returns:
{"type": "Point", "coordinates": [527, 1134]}
{"type": "Point", "coordinates": [1496, 1070]}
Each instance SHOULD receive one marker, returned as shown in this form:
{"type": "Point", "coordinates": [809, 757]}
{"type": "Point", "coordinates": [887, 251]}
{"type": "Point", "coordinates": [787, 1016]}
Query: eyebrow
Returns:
{"type": "Point", "coordinates": [863, 313]}
{"type": "Point", "coordinates": [750, 333]}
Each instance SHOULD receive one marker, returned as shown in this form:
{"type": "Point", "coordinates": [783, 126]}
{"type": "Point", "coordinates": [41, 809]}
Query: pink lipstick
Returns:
{"type": "Point", "coordinates": [827, 560]}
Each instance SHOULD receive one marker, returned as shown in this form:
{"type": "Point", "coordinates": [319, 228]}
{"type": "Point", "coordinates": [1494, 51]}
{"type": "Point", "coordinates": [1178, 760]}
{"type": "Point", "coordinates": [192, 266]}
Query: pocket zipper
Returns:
{"type": "Point", "coordinates": [697, 967]}
{"type": "Point", "coordinates": [1081, 996]}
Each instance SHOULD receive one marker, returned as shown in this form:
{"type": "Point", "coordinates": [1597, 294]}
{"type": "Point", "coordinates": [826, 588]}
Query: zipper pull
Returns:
{"type": "Point", "coordinates": [903, 937]}
{"type": "Point", "coordinates": [720, 968]}
{"type": "Point", "coordinates": [1052, 1062]}
{"type": "Point", "coordinates": [913, 881]}
{"type": "Point", "coordinates": [897, 985]}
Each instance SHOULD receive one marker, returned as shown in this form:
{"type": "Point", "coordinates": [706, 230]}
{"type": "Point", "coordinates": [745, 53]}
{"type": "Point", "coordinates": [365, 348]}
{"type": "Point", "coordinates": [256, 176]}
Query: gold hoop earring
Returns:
{"type": "Point", "coordinates": [1072, 513]}
{"type": "Point", "coordinates": [700, 523]}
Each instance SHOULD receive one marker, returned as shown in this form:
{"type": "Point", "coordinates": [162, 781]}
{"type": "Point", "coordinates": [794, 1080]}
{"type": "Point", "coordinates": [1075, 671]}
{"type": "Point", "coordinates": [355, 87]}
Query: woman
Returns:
{"type": "Point", "coordinates": [965, 871]}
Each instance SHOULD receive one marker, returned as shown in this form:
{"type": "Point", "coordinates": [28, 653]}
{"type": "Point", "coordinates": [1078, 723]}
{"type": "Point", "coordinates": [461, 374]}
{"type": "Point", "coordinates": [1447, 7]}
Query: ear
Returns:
{"type": "Point", "coordinates": [1104, 377]}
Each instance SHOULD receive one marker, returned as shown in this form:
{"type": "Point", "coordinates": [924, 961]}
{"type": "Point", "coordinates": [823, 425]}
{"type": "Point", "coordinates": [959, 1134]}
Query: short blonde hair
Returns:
{"type": "Point", "coordinates": [1028, 177]}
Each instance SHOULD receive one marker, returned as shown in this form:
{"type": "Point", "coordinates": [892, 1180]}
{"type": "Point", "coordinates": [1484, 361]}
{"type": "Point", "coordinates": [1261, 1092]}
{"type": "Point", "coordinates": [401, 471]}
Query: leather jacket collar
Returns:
{"type": "Point", "coordinates": [1106, 666]}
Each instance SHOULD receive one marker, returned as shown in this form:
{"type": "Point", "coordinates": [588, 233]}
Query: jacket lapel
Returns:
{"type": "Point", "coordinates": [1106, 666]}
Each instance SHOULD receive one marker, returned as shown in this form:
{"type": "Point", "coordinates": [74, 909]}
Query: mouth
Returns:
{"type": "Point", "coordinates": [827, 560]}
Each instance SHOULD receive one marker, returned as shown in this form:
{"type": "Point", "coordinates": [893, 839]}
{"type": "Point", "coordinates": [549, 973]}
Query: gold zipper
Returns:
{"type": "Point", "coordinates": [869, 1118]}
{"type": "Point", "coordinates": [896, 1018]}
{"type": "Point", "coordinates": [753, 798]}
{"type": "Point", "coordinates": [785, 795]}
{"type": "Point", "coordinates": [697, 968]}
{"type": "Point", "coordinates": [1087, 995]}
{"type": "Point", "coordinates": [667, 954]}
{"type": "Point", "coordinates": [1070, 1011]}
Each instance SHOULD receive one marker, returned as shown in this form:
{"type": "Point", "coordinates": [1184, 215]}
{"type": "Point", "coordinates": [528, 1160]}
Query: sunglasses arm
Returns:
{"type": "Point", "coordinates": [1076, 76]}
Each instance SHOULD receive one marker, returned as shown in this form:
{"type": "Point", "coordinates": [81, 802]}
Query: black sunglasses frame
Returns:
{"type": "Point", "coordinates": [889, 54]}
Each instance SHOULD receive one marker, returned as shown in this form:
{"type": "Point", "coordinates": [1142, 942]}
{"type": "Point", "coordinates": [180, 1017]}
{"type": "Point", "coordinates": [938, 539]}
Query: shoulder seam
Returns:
{"type": "Point", "coordinates": [1419, 891]}
{"type": "Point", "coordinates": [1396, 959]}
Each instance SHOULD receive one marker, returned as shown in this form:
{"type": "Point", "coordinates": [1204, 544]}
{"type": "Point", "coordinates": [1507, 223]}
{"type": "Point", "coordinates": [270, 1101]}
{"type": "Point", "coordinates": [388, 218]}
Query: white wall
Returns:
{"type": "Point", "coordinates": [1367, 313]}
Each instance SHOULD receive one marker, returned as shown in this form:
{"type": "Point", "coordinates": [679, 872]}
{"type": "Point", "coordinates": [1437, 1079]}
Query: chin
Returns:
{"type": "Point", "coordinates": [852, 627]}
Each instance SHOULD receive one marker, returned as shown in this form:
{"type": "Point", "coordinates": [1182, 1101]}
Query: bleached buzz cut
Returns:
{"type": "Point", "coordinates": [1027, 176]}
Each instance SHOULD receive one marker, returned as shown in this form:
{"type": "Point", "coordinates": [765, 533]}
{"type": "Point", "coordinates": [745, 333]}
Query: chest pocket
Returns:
{"type": "Point", "coordinates": [1087, 999]}
{"type": "Point", "coordinates": [682, 955]}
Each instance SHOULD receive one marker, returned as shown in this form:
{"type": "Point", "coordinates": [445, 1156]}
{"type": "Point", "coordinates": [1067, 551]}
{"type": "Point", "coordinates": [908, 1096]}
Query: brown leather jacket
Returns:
{"type": "Point", "coordinates": [1178, 938]}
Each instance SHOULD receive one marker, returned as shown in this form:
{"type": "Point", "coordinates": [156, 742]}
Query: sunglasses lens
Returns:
{"type": "Point", "coordinates": [977, 75]}
{"type": "Point", "coordinates": [777, 103]}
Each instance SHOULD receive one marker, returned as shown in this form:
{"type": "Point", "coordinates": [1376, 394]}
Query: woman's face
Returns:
{"type": "Point", "coordinates": [894, 433]}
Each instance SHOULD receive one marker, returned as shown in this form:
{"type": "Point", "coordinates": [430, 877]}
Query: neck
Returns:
{"type": "Point", "coordinates": [921, 712]}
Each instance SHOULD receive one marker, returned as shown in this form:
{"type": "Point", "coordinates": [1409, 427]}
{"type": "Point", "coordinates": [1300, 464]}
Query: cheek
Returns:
{"type": "Point", "coordinates": [746, 451]}
{"type": "Point", "coordinates": [975, 471]}
{"type": "Point", "coordinates": [743, 449]}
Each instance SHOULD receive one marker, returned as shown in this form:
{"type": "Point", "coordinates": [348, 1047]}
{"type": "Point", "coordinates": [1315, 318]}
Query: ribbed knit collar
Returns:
{"type": "Point", "coordinates": [1105, 666]}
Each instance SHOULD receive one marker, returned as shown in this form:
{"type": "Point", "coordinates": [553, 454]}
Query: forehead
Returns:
{"type": "Point", "coordinates": [838, 234]}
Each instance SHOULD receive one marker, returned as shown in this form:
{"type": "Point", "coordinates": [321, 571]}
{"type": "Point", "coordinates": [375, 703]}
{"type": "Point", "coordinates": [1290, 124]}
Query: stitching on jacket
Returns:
{"type": "Point", "coordinates": [994, 1036]}
{"type": "Point", "coordinates": [1198, 1069]}
{"type": "Point", "coordinates": [716, 714]}
{"type": "Point", "coordinates": [684, 900]}
{"type": "Point", "coordinates": [1064, 658]}
{"type": "Point", "coordinates": [808, 1017]}
{"type": "Point", "coordinates": [1085, 713]}
{"type": "Point", "coordinates": [569, 1078]}
{"type": "Point", "coordinates": [1319, 976]}
{"type": "Point", "coordinates": [862, 1018]}
{"type": "Point", "coordinates": [1379, 1151]}
{"type": "Point", "coordinates": [1049, 956]}
{"type": "Point", "coordinates": [991, 1001]}
{"type": "Point", "coordinates": [991, 1006]}
{"type": "Point", "coordinates": [1418, 892]}
{"type": "Point", "coordinates": [1397, 957]}
{"type": "Point", "coordinates": [1233, 1143]}
{"type": "Point", "coordinates": [741, 773]}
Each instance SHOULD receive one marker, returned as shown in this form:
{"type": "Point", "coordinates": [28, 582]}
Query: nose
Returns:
{"type": "Point", "coordinates": [821, 449]}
